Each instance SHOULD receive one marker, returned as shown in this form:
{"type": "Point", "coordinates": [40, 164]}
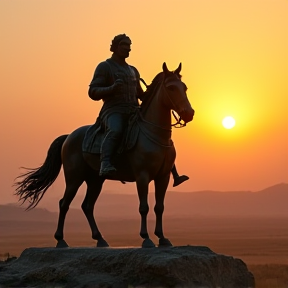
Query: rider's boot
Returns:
{"type": "Point", "coordinates": [108, 147]}
{"type": "Point", "coordinates": [178, 179]}
{"type": "Point", "coordinates": [106, 168]}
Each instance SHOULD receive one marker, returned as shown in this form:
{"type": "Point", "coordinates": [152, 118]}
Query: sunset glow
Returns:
{"type": "Point", "coordinates": [234, 62]}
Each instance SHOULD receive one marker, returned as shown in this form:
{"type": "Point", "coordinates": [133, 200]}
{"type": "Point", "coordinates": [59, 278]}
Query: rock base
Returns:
{"type": "Point", "coordinates": [184, 266]}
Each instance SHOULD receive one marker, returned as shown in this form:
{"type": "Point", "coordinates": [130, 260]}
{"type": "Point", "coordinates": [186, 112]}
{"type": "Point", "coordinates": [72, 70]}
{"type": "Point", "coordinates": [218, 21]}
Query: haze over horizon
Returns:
{"type": "Point", "coordinates": [269, 202]}
{"type": "Point", "coordinates": [235, 63]}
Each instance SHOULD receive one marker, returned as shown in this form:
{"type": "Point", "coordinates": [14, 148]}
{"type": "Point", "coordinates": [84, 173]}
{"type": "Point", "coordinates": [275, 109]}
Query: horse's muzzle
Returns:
{"type": "Point", "coordinates": [187, 115]}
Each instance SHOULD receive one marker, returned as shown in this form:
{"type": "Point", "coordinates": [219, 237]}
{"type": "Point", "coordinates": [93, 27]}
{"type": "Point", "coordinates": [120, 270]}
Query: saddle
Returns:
{"type": "Point", "coordinates": [95, 135]}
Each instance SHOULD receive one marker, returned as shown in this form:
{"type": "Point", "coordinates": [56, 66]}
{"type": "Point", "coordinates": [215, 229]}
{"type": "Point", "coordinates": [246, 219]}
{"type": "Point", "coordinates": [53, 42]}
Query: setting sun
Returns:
{"type": "Point", "coordinates": [228, 122]}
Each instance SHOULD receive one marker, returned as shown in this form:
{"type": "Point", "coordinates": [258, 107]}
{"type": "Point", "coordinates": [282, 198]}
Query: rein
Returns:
{"type": "Point", "coordinates": [142, 80]}
{"type": "Point", "coordinates": [178, 121]}
{"type": "Point", "coordinates": [152, 124]}
{"type": "Point", "coordinates": [153, 139]}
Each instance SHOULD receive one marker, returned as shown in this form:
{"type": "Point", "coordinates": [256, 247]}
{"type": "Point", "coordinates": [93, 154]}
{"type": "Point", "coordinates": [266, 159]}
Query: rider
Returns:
{"type": "Point", "coordinates": [118, 85]}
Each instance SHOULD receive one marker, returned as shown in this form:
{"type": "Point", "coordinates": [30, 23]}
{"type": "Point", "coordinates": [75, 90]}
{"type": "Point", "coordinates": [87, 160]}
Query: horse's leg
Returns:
{"type": "Point", "coordinates": [72, 185]}
{"type": "Point", "coordinates": [94, 186]}
{"type": "Point", "coordinates": [161, 185]}
{"type": "Point", "coordinates": [142, 183]}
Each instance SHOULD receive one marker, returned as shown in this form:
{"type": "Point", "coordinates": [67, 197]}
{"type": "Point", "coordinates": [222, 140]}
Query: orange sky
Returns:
{"type": "Point", "coordinates": [235, 62]}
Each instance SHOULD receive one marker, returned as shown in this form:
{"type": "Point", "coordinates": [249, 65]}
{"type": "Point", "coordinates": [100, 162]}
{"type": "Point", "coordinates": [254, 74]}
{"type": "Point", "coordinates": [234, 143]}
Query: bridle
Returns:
{"type": "Point", "coordinates": [180, 123]}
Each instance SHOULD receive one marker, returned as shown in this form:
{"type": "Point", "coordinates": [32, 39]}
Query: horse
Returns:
{"type": "Point", "coordinates": [150, 159]}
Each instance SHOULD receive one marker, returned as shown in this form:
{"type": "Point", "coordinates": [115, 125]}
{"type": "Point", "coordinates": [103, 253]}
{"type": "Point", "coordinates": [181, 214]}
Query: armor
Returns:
{"type": "Point", "coordinates": [118, 104]}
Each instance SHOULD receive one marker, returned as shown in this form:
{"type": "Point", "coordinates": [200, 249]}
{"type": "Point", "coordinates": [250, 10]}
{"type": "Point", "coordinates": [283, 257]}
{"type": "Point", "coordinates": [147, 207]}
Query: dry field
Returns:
{"type": "Point", "coordinates": [261, 243]}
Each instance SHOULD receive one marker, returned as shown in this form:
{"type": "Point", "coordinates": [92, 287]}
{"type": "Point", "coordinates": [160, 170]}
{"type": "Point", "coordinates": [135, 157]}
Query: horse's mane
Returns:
{"type": "Point", "coordinates": [150, 91]}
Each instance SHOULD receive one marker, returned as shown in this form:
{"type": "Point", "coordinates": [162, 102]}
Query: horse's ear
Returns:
{"type": "Point", "coordinates": [177, 71]}
{"type": "Point", "coordinates": [164, 67]}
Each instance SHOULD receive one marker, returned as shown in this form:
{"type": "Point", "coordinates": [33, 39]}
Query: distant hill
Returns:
{"type": "Point", "coordinates": [270, 202]}
{"type": "Point", "coordinates": [12, 212]}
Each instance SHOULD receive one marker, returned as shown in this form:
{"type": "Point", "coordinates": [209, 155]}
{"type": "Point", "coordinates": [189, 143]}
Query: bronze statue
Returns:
{"type": "Point", "coordinates": [117, 84]}
{"type": "Point", "coordinates": [151, 156]}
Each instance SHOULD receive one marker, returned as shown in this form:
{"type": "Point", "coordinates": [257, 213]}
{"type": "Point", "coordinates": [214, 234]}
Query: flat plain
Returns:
{"type": "Point", "coordinates": [262, 243]}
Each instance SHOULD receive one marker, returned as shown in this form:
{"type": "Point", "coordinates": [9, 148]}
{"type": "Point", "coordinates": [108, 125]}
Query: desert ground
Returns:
{"type": "Point", "coordinates": [262, 243]}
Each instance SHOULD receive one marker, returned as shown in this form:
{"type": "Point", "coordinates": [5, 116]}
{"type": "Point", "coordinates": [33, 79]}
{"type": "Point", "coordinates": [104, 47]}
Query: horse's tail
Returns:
{"type": "Point", "coordinates": [38, 180]}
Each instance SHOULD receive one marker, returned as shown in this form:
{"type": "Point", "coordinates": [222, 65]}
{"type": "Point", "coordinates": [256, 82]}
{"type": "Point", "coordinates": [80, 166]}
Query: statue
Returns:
{"type": "Point", "coordinates": [118, 85]}
{"type": "Point", "coordinates": [150, 156]}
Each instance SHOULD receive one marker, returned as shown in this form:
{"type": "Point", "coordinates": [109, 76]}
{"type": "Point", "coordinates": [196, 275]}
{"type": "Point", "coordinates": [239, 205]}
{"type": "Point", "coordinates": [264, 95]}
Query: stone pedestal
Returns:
{"type": "Point", "coordinates": [184, 266]}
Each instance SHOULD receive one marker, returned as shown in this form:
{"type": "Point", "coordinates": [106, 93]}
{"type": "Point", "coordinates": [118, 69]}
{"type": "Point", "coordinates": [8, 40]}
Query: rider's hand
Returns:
{"type": "Point", "coordinates": [118, 84]}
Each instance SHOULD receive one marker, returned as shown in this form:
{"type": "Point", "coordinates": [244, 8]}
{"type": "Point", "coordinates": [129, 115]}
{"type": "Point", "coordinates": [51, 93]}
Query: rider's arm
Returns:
{"type": "Point", "coordinates": [100, 85]}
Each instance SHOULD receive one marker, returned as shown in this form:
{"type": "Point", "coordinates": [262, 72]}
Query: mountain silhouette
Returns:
{"type": "Point", "coordinates": [270, 202]}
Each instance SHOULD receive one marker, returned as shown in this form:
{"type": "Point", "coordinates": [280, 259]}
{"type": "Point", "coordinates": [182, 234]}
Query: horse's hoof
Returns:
{"type": "Point", "coordinates": [102, 243]}
{"type": "Point", "coordinates": [164, 242]}
{"type": "Point", "coordinates": [62, 244]}
{"type": "Point", "coordinates": [148, 243]}
{"type": "Point", "coordinates": [179, 180]}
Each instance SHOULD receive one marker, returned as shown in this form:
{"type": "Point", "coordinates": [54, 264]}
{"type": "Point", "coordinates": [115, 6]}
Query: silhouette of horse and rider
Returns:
{"type": "Point", "coordinates": [128, 142]}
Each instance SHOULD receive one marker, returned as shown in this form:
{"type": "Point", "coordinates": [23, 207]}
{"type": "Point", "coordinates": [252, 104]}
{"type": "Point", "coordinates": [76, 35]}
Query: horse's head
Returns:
{"type": "Point", "coordinates": [176, 94]}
